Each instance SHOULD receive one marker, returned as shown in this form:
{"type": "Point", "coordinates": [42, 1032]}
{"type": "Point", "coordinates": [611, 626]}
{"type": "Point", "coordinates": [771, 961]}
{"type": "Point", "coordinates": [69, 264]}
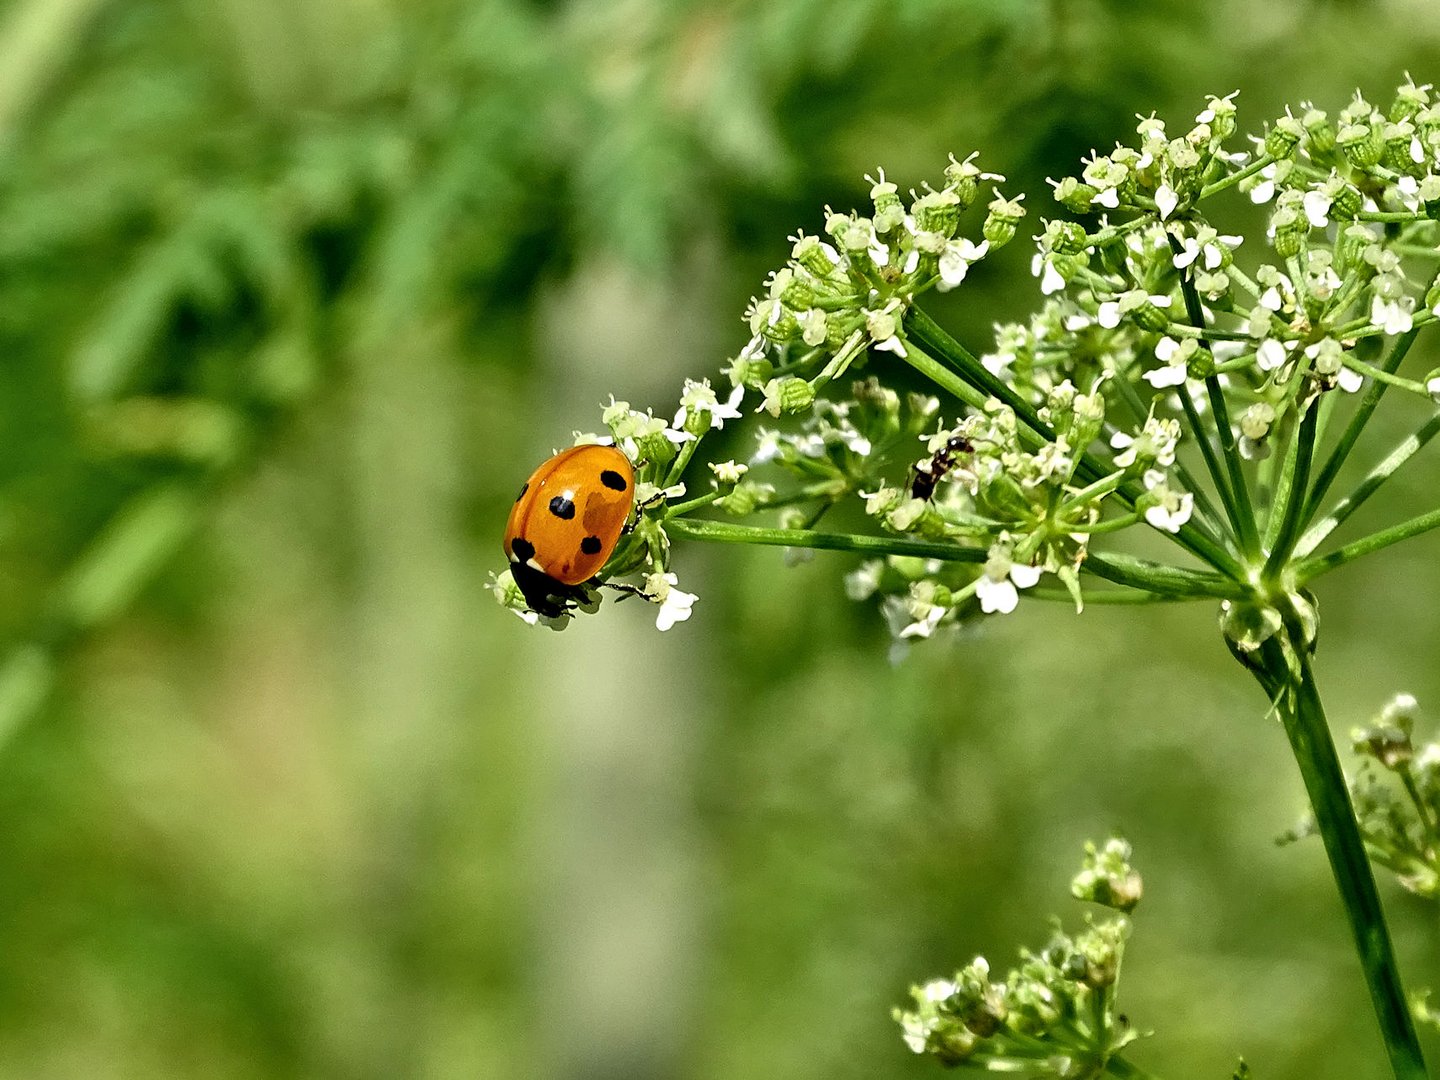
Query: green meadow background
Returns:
{"type": "Point", "coordinates": [293, 293]}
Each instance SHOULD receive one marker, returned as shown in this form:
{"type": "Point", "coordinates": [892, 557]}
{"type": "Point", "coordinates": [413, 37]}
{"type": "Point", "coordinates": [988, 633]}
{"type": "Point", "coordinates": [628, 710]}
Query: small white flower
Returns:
{"type": "Point", "coordinates": [1109, 314]}
{"type": "Point", "coordinates": [1317, 208]}
{"type": "Point", "coordinates": [999, 585]}
{"type": "Point", "coordinates": [1051, 280]}
{"type": "Point", "coordinates": [1110, 198]}
{"type": "Point", "coordinates": [675, 604]}
{"type": "Point", "coordinates": [1393, 316]}
{"type": "Point", "coordinates": [955, 261]}
{"type": "Point", "coordinates": [1270, 355]}
{"type": "Point", "coordinates": [728, 472]}
{"type": "Point", "coordinates": [1264, 191]}
{"type": "Point", "coordinates": [997, 596]}
{"type": "Point", "coordinates": [1348, 380]}
{"type": "Point", "coordinates": [1166, 200]}
{"type": "Point", "coordinates": [1167, 349]}
{"type": "Point", "coordinates": [1173, 510]}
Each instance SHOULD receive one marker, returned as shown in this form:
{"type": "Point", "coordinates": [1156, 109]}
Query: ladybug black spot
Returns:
{"type": "Point", "coordinates": [590, 545]}
{"type": "Point", "coordinates": [522, 549]}
{"type": "Point", "coordinates": [523, 488]}
{"type": "Point", "coordinates": [613, 480]}
{"type": "Point", "coordinates": [562, 508]}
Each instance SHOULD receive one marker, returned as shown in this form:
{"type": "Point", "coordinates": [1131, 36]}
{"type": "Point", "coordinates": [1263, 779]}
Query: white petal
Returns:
{"type": "Point", "coordinates": [1162, 377]}
{"type": "Point", "coordinates": [1024, 576]}
{"type": "Point", "coordinates": [997, 596]}
{"type": "Point", "coordinates": [1052, 282]}
{"type": "Point", "coordinates": [1166, 200]}
{"type": "Point", "coordinates": [1349, 381]}
{"type": "Point", "coordinates": [1317, 208]}
{"type": "Point", "coordinates": [1262, 192]}
{"type": "Point", "coordinates": [1270, 355]}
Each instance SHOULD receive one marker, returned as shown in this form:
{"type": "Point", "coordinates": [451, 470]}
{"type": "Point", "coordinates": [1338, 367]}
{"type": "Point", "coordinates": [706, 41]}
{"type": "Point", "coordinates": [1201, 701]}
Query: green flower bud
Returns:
{"type": "Point", "coordinates": [655, 448]}
{"type": "Point", "coordinates": [889, 211]}
{"type": "Point", "coordinates": [1347, 203]}
{"type": "Point", "coordinates": [752, 371]}
{"type": "Point", "coordinates": [1409, 101]}
{"type": "Point", "coordinates": [1362, 145]}
{"type": "Point", "coordinates": [1222, 117]}
{"type": "Point", "coordinates": [1201, 362]}
{"type": "Point", "coordinates": [1397, 138]}
{"type": "Point", "coordinates": [937, 212]}
{"type": "Point", "coordinates": [1000, 223]}
{"type": "Point", "coordinates": [1065, 237]}
{"type": "Point", "coordinates": [1291, 228]}
{"type": "Point", "coordinates": [1075, 195]}
{"type": "Point", "coordinates": [1432, 296]}
{"type": "Point", "coordinates": [746, 498]}
{"type": "Point", "coordinates": [811, 253]}
{"type": "Point", "coordinates": [1149, 317]}
{"type": "Point", "coordinates": [788, 395]}
{"type": "Point", "coordinates": [1282, 138]}
{"type": "Point", "coordinates": [963, 179]}
{"type": "Point", "coordinates": [1320, 130]}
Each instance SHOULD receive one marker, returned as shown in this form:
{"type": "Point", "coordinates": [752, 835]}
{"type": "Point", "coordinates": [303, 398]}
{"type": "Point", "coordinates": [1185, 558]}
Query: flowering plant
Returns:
{"type": "Point", "coordinates": [1179, 378]}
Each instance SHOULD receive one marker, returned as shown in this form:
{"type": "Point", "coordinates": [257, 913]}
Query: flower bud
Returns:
{"type": "Point", "coordinates": [1000, 224]}
{"type": "Point", "coordinates": [1255, 421]}
{"type": "Point", "coordinates": [1320, 130]}
{"type": "Point", "coordinates": [1347, 203]}
{"type": "Point", "coordinates": [1362, 145]}
{"type": "Point", "coordinates": [788, 395]}
{"type": "Point", "coordinates": [937, 212]}
{"type": "Point", "coordinates": [1398, 138]}
{"type": "Point", "coordinates": [963, 178]}
{"type": "Point", "coordinates": [815, 255]}
{"type": "Point", "coordinates": [1291, 227]}
{"type": "Point", "coordinates": [889, 211]}
{"type": "Point", "coordinates": [1065, 237]}
{"type": "Point", "coordinates": [1075, 195]}
{"type": "Point", "coordinates": [1221, 117]}
{"type": "Point", "coordinates": [1282, 138]}
{"type": "Point", "coordinates": [1409, 101]}
{"type": "Point", "coordinates": [752, 371]}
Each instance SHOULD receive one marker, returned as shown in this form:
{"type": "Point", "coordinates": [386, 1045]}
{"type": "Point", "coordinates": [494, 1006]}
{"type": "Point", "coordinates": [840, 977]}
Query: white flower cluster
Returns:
{"type": "Point", "coordinates": [848, 291]}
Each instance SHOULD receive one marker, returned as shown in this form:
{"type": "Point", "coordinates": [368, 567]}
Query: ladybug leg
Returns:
{"type": "Point", "coordinates": [623, 588]}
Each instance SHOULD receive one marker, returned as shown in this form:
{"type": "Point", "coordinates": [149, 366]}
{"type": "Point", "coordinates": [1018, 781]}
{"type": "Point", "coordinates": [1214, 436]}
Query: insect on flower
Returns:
{"type": "Point", "coordinates": [928, 474]}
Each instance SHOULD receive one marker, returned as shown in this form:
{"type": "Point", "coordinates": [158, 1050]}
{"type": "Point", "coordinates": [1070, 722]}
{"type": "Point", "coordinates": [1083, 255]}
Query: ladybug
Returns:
{"type": "Point", "coordinates": [566, 521]}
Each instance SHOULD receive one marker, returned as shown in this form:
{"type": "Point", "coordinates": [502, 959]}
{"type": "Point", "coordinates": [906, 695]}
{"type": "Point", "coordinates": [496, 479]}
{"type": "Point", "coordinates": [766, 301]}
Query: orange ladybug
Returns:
{"type": "Point", "coordinates": [566, 521]}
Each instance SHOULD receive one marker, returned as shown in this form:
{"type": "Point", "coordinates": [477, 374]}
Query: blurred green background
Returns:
{"type": "Point", "coordinates": [295, 292]}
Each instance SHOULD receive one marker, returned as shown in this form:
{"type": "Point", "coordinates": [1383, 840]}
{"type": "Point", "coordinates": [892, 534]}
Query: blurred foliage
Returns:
{"type": "Point", "coordinates": [296, 290]}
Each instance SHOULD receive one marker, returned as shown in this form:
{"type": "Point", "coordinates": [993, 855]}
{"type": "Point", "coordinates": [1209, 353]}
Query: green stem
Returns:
{"type": "Point", "coordinates": [1285, 673]}
{"type": "Point", "coordinates": [1142, 574]}
{"type": "Point", "coordinates": [1291, 490]}
{"type": "Point", "coordinates": [930, 336]}
{"type": "Point", "coordinates": [1367, 487]}
{"type": "Point", "coordinates": [1357, 424]}
{"type": "Point", "coordinates": [1312, 568]}
{"type": "Point", "coordinates": [1235, 177]}
{"type": "Point", "coordinates": [1238, 501]}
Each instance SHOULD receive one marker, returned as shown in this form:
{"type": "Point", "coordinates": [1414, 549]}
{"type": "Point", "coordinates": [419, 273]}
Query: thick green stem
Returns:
{"type": "Point", "coordinates": [1151, 577]}
{"type": "Point", "coordinates": [1284, 671]}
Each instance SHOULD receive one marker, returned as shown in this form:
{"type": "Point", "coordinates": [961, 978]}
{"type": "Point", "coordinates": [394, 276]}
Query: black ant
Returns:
{"type": "Point", "coordinates": [929, 473]}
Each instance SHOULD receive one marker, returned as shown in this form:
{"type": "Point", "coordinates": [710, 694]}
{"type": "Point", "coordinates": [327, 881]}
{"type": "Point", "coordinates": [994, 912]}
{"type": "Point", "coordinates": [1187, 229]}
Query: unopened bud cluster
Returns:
{"type": "Point", "coordinates": [1396, 793]}
{"type": "Point", "coordinates": [1053, 1014]}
